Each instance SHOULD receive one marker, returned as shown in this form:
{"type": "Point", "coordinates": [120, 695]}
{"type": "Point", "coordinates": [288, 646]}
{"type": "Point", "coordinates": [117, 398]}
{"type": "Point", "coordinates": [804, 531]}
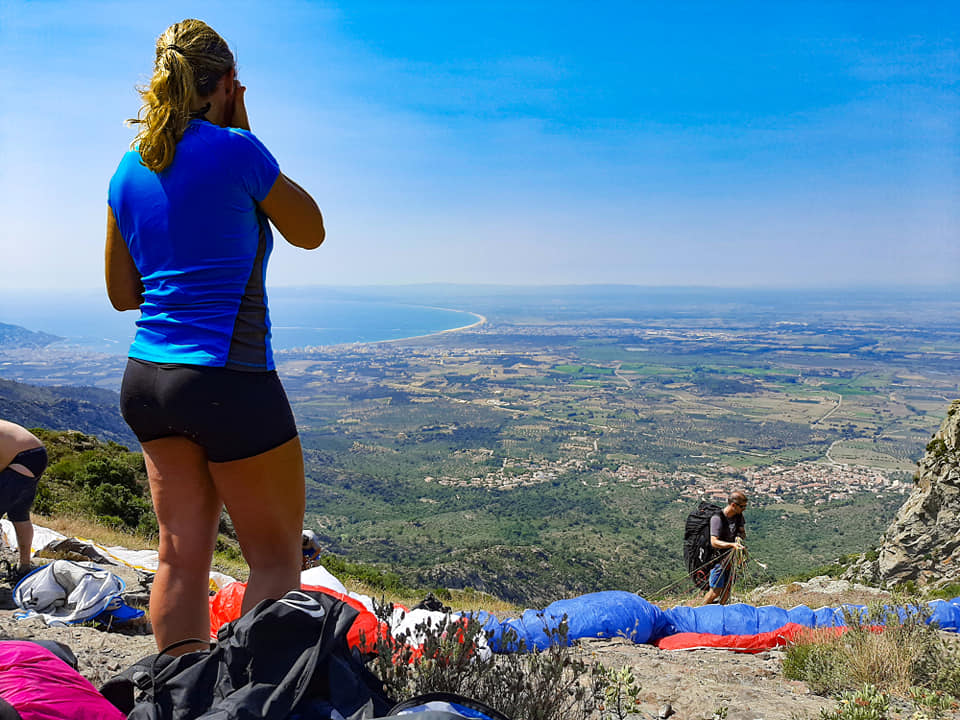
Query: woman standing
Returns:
{"type": "Point", "coordinates": [187, 244]}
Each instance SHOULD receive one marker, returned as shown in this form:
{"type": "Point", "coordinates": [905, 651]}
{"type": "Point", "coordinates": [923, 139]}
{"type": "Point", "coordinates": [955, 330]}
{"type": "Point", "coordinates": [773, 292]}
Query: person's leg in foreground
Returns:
{"type": "Point", "coordinates": [264, 495]}
{"type": "Point", "coordinates": [188, 513]}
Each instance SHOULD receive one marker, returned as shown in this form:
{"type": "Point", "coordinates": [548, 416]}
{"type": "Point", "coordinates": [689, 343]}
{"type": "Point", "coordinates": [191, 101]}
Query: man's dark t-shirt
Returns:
{"type": "Point", "coordinates": [724, 528]}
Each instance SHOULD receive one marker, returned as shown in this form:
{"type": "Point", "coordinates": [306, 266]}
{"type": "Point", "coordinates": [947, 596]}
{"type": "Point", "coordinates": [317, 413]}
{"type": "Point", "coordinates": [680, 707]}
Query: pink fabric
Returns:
{"type": "Point", "coordinates": [41, 686]}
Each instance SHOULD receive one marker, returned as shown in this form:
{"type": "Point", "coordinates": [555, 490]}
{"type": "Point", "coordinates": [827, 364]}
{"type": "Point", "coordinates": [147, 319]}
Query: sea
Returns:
{"type": "Point", "coordinates": [301, 317]}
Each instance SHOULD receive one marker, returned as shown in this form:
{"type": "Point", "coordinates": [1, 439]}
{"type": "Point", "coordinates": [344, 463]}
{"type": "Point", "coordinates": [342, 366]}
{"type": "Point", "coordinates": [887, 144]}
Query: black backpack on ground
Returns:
{"type": "Point", "coordinates": [286, 658]}
{"type": "Point", "coordinates": [698, 554]}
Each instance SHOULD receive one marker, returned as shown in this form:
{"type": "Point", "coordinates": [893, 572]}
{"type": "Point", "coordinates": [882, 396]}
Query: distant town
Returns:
{"type": "Point", "coordinates": [774, 483]}
{"type": "Point", "coordinates": [558, 448]}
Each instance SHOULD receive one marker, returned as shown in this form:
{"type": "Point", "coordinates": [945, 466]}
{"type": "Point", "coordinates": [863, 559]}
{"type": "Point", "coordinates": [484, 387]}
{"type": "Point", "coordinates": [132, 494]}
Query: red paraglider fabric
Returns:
{"type": "Point", "coordinates": [225, 606]}
{"type": "Point", "coordinates": [749, 643]}
{"type": "Point", "coordinates": [740, 643]}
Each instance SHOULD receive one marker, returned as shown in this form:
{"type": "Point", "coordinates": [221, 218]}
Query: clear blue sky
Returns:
{"type": "Point", "coordinates": [732, 144]}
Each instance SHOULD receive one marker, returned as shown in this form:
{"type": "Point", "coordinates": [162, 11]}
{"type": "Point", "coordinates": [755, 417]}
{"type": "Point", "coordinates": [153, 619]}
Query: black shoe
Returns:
{"type": "Point", "coordinates": [21, 571]}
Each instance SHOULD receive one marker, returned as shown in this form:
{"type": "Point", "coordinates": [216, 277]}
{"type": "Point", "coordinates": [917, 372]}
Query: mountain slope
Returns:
{"type": "Point", "coordinates": [922, 544]}
{"type": "Point", "coordinates": [93, 411]}
{"type": "Point", "coordinates": [14, 336]}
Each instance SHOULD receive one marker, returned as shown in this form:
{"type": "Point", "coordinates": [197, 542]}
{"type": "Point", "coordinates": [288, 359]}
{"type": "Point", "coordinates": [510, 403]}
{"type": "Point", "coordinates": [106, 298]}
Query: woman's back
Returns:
{"type": "Point", "coordinates": [201, 246]}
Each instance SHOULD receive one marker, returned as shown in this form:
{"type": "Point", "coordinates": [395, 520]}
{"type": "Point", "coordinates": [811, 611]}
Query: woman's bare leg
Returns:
{"type": "Point", "coordinates": [188, 512]}
{"type": "Point", "coordinates": [264, 495]}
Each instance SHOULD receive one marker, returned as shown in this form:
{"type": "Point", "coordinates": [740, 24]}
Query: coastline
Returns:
{"type": "Point", "coordinates": [481, 320]}
{"type": "Point", "coordinates": [113, 341]}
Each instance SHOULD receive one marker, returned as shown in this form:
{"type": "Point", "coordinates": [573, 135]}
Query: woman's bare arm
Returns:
{"type": "Point", "coordinates": [124, 286]}
{"type": "Point", "coordinates": [288, 205]}
{"type": "Point", "coordinates": [295, 213]}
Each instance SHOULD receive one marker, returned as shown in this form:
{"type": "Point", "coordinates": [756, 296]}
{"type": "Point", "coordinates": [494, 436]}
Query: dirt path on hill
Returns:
{"type": "Point", "coordinates": [698, 683]}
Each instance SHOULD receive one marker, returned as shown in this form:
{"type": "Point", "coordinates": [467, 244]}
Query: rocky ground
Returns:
{"type": "Point", "coordinates": [685, 685]}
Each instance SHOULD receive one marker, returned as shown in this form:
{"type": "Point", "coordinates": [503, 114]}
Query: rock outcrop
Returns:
{"type": "Point", "coordinates": [922, 543]}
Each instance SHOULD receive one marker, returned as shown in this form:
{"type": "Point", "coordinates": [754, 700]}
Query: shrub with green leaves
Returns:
{"type": "Point", "coordinates": [818, 664]}
{"type": "Point", "coordinates": [98, 480]}
{"type": "Point", "coordinates": [867, 703]}
{"type": "Point", "coordinates": [550, 684]}
{"type": "Point", "coordinates": [932, 704]}
{"type": "Point", "coordinates": [883, 652]}
{"type": "Point", "coordinates": [621, 694]}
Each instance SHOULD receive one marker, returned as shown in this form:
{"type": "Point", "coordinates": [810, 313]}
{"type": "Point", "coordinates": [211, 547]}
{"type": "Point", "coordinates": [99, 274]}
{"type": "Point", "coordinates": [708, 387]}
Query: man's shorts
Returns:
{"type": "Point", "coordinates": [719, 577]}
{"type": "Point", "coordinates": [231, 414]}
{"type": "Point", "coordinates": [18, 490]}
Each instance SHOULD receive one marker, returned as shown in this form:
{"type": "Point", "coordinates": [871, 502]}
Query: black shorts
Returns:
{"type": "Point", "coordinates": [18, 490]}
{"type": "Point", "coordinates": [231, 414]}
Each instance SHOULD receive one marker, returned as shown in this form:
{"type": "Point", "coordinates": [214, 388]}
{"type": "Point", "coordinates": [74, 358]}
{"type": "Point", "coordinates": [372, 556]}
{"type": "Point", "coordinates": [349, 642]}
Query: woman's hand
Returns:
{"type": "Point", "coordinates": [239, 118]}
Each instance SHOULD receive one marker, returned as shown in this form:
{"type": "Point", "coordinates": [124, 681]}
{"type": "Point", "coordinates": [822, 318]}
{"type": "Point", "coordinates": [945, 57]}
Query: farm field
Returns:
{"type": "Point", "coordinates": [556, 448]}
{"type": "Point", "coordinates": [537, 455]}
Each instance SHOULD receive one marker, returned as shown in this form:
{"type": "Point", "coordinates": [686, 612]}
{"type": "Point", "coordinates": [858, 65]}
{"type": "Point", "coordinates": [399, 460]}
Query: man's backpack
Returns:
{"type": "Point", "coordinates": [698, 554]}
{"type": "Point", "coordinates": [286, 658]}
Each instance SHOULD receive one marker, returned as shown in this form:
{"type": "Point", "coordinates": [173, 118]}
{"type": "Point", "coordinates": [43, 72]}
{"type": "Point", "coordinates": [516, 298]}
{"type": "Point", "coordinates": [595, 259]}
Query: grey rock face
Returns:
{"type": "Point", "coordinates": [923, 541]}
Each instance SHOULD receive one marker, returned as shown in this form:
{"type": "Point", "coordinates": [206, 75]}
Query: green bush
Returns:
{"type": "Point", "coordinates": [109, 471]}
{"type": "Point", "coordinates": [947, 677]}
{"type": "Point", "coordinates": [64, 470]}
{"type": "Point", "coordinates": [816, 664]}
{"type": "Point", "coordinates": [937, 447]}
{"type": "Point", "coordinates": [44, 499]}
{"type": "Point", "coordinates": [868, 703]}
{"type": "Point", "coordinates": [442, 593]}
{"type": "Point", "coordinates": [552, 684]}
{"type": "Point", "coordinates": [909, 652]}
{"type": "Point", "coordinates": [100, 481]}
{"type": "Point", "coordinates": [931, 704]}
{"type": "Point", "coordinates": [833, 570]}
{"type": "Point", "coordinates": [944, 592]}
{"type": "Point", "coordinates": [148, 526]}
{"type": "Point", "coordinates": [118, 503]}
{"type": "Point", "coordinates": [385, 581]}
{"type": "Point", "coordinates": [229, 549]}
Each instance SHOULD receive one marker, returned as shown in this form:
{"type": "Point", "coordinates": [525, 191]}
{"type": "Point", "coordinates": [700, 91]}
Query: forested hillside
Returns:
{"type": "Point", "coordinates": [90, 410]}
{"type": "Point", "coordinates": [96, 480]}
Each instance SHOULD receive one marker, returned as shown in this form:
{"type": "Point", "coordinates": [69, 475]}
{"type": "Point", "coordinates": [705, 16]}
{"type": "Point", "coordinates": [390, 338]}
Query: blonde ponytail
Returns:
{"type": "Point", "coordinates": [190, 59]}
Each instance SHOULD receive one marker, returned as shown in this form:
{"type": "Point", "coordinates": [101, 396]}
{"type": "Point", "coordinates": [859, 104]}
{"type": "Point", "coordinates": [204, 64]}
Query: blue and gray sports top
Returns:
{"type": "Point", "coordinates": [201, 244]}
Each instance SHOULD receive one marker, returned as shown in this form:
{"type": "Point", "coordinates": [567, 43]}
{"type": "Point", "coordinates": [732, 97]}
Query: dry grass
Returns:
{"type": "Point", "coordinates": [868, 658]}
{"type": "Point", "coordinates": [795, 594]}
{"type": "Point", "coordinates": [900, 655]}
{"type": "Point", "coordinates": [460, 600]}
{"type": "Point", "coordinates": [469, 599]}
{"type": "Point", "coordinates": [108, 536]}
{"type": "Point", "coordinates": [101, 534]}
{"type": "Point", "coordinates": [457, 600]}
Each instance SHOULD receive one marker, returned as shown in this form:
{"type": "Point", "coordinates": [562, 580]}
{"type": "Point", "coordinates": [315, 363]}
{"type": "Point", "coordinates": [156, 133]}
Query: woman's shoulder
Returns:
{"type": "Point", "coordinates": [242, 144]}
{"type": "Point", "coordinates": [216, 133]}
{"type": "Point", "coordinates": [130, 166]}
